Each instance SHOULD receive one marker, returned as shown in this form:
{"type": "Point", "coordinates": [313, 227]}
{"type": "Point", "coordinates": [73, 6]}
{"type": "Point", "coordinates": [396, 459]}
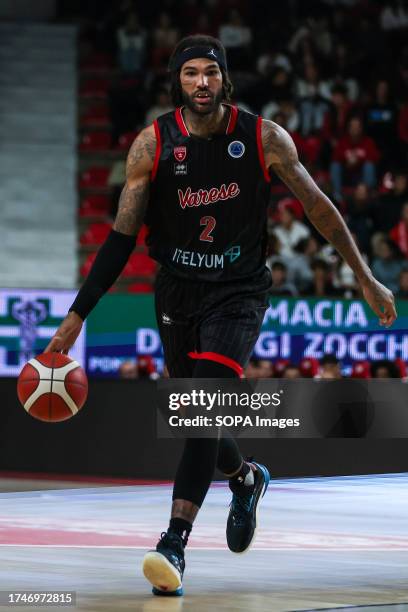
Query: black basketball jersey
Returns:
{"type": "Point", "coordinates": [206, 216]}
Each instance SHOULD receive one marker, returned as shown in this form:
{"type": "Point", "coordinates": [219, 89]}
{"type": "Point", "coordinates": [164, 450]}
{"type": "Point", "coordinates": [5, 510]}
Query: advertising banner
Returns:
{"type": "Point", "coordinates": [124, 326]}
{"type": "Point", "coordinates": [28, 320]}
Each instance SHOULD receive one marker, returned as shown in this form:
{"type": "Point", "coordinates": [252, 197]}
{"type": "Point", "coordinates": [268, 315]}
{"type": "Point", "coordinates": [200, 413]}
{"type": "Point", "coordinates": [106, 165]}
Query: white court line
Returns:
{"type": "Point", "coordinates": [275, 549]}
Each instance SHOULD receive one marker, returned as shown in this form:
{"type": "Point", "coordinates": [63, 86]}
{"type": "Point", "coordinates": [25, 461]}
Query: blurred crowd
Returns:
{"type": "Point", "coordinates": [334, 73]}
{"type": "Point", "coordinates": [328, 367]}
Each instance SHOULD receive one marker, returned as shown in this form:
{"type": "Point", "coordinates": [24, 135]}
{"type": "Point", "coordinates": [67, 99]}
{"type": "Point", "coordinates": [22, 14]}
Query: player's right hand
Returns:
{"type": "Point", "coordinates": [66, 334]}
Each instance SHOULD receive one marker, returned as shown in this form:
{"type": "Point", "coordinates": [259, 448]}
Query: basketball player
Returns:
{"type": "Point", "coordinates": [199, 177]}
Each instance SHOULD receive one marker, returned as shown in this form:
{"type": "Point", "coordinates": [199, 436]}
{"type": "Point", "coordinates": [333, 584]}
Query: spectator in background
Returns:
{"type": "Point", "coordinates": [315, 31]}
{"type": "Point", "coordinates": [146, 368]}
{"type": "Point", "coordinates": [381, 121]}
{"type": "Point", "coordinates": [289, 231]}
{"type": "Point", "coordinates": [203, 25]}
{"type": "Point", "coordinates": [401, 80]}
{"type": "Point", "coordinates": [165, 37]}
{"type": "Point", "coordinates": [354, 159]}
{"type": "Point", "coordinates": [236, 38]}
{"type": "Point", "coordinates": [162, 105]}
{"type": "Point", "coordinates": [128, 370]}
{"type": "Point", "coordinates": [329, 367]}
{"type": "Point", "coordinates": [270, 89]}
{"type": "Point", "coordinates": [314, 101]}
{"type": "Point", "coordinates": [342, 70]}
{"type": "Point", "coordinates": [384, 369]}
{"type": "Point", "coordinates": [142, 368]}
{"type": "Point", "coordinates": [321, 284]}
{"type": "Point", "coordinates": [273, 250]}
{"type": "Point", "coordinates": [394, 16]}
{"type": "Point", "coordinates": [359, 209]}
{"type": "Point", "coordinates": [280, 285]}
{"type": "Point", "coordinates": [131, 40]}
{"type": "Point", "coordinates": [403, 284]}
{"type": "Point", "coordinates": [311, 85]}
{"type": "Point", "coordinates": [403, 133]}
{"type": "Point", "coordinates": [258, 368]}
{"type": "Point", "coordinates": [346, 279]}
{"type": "Point", "coordinates": [285, 107]}
{"type": "Point", "coordinates": [291, 371]}
{"type": "Point", "coordinates": [399, 233]}
{"type": "Point", "coordinates": [386, 213]}
{"type": "Point", "coordinates": [272, 58]}
{"type": "Point", "coordinates": [300, 271]}
{"type": "Point", "coordinates": [386, 266]}
{"type": "Point", "coordinates": [336, 118]}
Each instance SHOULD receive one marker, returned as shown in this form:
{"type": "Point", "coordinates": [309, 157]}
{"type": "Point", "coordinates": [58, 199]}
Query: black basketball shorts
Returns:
{"type": "Point", "coordinates": [198, 318]}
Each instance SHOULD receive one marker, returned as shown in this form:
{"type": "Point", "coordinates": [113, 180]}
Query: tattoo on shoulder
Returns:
{"type": "Point", "coordinates": [278, 144]}
{"type": "Point", "coordinates": [145, 144]}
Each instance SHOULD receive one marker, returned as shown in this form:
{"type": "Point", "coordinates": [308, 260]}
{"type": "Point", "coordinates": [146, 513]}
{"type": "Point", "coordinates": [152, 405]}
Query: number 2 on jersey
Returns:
{"type": "Point", "coordinates": [209, 223]}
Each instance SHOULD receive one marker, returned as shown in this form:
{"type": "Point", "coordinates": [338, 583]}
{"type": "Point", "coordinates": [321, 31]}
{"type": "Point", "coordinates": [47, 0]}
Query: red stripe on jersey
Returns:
{"type": "Point", "coordinates": [180, 122]}
{"type": "Point", "coordinates": [158, 150]}
{"type": "Point", "coordinates": [232, 120]}
{"type": "Point", "coordinates": [260, 149]}
{"type": "Point", "coordinates": [230, 363]}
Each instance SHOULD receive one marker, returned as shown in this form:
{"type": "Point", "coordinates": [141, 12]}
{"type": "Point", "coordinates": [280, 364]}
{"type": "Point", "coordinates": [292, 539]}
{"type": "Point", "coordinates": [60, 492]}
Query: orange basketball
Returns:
{"type": "Point", "coordinates": [52, 387]}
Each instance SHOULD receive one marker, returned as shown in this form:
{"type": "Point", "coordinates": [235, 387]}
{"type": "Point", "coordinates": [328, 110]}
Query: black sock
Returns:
{"type": "Point", "coordinates": [245, 476]}
{"type": "Point", "coordinates": [181, 527]}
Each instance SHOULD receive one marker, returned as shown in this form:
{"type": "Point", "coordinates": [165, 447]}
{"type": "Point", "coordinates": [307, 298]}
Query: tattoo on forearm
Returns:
{"type": "Point", "coordinates": [132, 209]}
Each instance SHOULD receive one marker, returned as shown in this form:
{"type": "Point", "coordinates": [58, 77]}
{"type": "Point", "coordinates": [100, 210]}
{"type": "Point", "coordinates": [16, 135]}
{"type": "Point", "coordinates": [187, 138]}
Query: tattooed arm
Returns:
{"type": "Point", "coordinates": [114, 253]}
{"type": "Point", "coordinates": [135, 194]}
{"type": "Point", "coordinates": [280, 154]}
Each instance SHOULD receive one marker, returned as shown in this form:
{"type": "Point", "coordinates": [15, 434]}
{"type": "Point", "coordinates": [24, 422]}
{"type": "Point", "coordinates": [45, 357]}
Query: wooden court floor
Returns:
{"type": "Point", "coordinates": [322, 543]}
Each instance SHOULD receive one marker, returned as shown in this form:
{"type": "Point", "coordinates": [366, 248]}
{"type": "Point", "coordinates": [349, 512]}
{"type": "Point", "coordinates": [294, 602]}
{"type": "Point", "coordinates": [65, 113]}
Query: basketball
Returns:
{"type": "Point", "coordinates": [52, 387]}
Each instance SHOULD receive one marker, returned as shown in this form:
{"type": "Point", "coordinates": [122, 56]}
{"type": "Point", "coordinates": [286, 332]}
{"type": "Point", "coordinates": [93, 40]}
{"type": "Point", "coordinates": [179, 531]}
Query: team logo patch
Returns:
{"type": "Point", "coordinates": [166, 320]}
{"type": "Point", "coordinates": [180, 169]}
{"type": "Point", "coordinates": [180, 153]}
{"type": "Point", "coordinates": [236, 149]}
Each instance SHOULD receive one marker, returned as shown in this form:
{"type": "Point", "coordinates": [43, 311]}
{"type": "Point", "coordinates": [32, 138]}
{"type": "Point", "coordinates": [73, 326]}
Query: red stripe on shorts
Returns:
{"type": "Point", "coordinates": [230, 363]}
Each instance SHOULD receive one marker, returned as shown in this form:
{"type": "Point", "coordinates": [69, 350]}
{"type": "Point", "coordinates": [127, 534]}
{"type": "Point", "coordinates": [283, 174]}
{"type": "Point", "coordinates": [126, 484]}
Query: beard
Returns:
{"type": "Point", "coordinates": [212, 106]}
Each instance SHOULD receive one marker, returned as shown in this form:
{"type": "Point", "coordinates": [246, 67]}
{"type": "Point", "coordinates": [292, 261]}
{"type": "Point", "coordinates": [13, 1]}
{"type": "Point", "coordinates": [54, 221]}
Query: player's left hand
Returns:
{"type": "Point", "coordinates": [381, 300]}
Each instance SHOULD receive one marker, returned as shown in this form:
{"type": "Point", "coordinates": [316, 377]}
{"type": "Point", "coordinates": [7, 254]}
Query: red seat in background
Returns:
{"type": "Point", "coordinates": [97, 62]}
{"type": "Point", "coordinates": [95, 177]}
{"type": "Point", "coordinates": [95, 142]}
{"type": "Point", "coordinates": [139, 264]}
{"type": "Point", "coordinates": [126, 140]}
{"type": "Point", "coordinates": [140, 288]}
{"type": "Point", "coordinates": [95, 88]}
{"type": "Point", "coordinates": [96, 116]}
{"type": "Point", "coordinates": [95, 234]}
{"type": "Point", "coordinates": [95, 206]}
{"type": "Point", "coordinates": [86, 266]}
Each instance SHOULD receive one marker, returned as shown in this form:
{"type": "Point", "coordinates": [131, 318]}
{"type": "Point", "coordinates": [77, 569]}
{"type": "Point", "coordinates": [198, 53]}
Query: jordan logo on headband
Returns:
{"type": "Point", "coordinates": [212, 52]}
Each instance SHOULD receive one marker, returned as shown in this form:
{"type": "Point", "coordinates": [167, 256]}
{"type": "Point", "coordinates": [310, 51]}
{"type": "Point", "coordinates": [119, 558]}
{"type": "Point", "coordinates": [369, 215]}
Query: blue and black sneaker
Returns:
{"type": "Point", "coordinates": [164, 567]}
{"type": "Point", "coordinates": [243, 516]}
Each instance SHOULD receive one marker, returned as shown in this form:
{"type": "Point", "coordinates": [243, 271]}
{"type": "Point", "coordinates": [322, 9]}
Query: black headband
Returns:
{"type": "Point", "coordinates": [197, 53]}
